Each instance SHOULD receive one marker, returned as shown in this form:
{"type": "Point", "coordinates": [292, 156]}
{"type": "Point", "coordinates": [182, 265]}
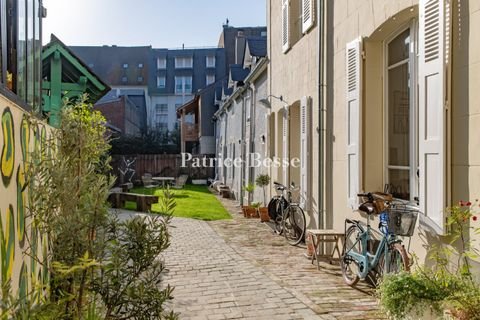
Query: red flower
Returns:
{"type": "Point", "coordinates": [474, 218]}
{"type": "Point", "coordinates": [460, 203]}
{"type": "Point", "coordinates": [468, 204]}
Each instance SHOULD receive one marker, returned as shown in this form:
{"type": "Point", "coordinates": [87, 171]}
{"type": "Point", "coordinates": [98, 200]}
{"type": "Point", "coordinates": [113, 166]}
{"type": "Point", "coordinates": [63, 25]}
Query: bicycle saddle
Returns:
{"type": "Point", "coordinates": [368, 208]}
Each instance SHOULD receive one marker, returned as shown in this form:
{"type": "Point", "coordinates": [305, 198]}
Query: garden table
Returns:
{"type": "Point", "coordinates": [163, 180]}
{"type": "Point", "coordinates": [323, 236]}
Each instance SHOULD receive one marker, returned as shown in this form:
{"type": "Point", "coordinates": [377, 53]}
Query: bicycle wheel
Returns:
{"type": "Point", "coordinates": [279, 209]}
{"type": "Point", "coordinates": [350, 267]}
{"type": "Point", "coordinates": [398, 259]}
{"type": "Point", "coordinates": [294, 225]}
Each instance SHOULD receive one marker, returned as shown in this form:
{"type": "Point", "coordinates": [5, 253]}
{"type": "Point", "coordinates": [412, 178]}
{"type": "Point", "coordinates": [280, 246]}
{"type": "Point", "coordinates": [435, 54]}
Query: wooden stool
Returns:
{"type": "Point", "coordinates": [323, 236]}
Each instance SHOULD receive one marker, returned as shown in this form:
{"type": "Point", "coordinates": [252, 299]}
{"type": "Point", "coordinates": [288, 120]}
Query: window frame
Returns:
{"type": "Point", "coordinates": [207, 59]}
{"type": "Point", "coordinates": [184, 64]}
{"type": "Point", "coordinates": [159, 83]}
{"type": "Point", "coordinates": [212, 76]}
{"type": "Point", "coordinates": [161, 66]}
{"type": "Point", "coordinates": [412, 60]}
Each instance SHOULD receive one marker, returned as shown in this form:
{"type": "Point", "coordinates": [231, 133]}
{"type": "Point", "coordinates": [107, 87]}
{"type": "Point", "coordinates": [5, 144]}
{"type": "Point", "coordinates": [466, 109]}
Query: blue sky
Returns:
{"type": "Point", "coordinates": [160, 23]}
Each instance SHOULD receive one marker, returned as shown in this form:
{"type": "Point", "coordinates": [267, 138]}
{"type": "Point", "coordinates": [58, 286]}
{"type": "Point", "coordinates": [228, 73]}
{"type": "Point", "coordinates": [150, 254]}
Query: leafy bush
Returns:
{"type": "Point", "coordinates": [100, 268]}
{"type": "Point", "coordinates": [262, 181]}
{"type": "Point", "coordinates": [448, 286]}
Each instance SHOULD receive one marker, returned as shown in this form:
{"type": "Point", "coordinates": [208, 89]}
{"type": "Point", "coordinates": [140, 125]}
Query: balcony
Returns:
{"type": "Point", "coordinates": [190, 132]}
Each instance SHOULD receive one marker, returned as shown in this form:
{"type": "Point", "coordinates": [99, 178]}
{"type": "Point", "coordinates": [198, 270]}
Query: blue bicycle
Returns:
{"type": "Point", "coordinates": [368, 257]}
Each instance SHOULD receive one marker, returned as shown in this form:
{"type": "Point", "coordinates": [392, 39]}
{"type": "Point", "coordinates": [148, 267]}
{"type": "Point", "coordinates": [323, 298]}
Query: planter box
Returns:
{"type": "Point", "coordinates": [264, 214]}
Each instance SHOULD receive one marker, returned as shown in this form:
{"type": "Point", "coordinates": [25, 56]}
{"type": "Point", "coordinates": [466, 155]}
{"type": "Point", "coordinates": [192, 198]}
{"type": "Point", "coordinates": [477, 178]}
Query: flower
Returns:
{"type": "Point", "coordinates": [474, 218]}
{"type": "Point", "coordinates": [468, 204]}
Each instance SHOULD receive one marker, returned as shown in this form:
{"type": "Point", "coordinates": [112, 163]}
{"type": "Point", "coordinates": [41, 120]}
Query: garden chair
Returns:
{"type": "Point", "coordinates": [148, 182]}
{"type": "Point", "coordinates": [180, 182]}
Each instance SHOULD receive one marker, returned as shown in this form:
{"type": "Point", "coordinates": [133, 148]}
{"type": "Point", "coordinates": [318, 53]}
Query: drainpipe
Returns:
{"type": "Point", "coordinates": [321, 114]}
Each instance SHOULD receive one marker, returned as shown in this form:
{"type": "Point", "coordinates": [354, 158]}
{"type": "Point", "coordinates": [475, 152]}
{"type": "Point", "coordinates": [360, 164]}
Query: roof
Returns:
{"type": "Point", "coordinates": [257, 46]}
{"type": "Point", "coordinates": [117, 65]}
{"type": "Point", "coordinates": [238, 73]}
{"type": "Point", "coordinates": [73, 68]}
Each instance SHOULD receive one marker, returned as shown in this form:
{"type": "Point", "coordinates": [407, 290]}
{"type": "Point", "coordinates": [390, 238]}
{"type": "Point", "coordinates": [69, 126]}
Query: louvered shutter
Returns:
{"type": "Point", "coordinates": [285, 25]}
{"type": "Point", "coordinates": [308, 14]}
{"type": "Point", "coordinates": [286, 146]}
{"type": "Point", "coordinates": [434, 38]}
{"type": "Point", "coordinates": [353, 112]}
{"type": "Point", "coordinates": [305, 152]}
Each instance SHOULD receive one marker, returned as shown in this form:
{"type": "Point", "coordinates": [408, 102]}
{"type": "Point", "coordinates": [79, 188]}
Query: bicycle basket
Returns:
{"type": "Point", "coordinates": [401, 220]}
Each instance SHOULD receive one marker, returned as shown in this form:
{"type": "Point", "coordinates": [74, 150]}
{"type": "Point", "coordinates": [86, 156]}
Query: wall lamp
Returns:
{"type": "Point", "coordinates": [267, 103]}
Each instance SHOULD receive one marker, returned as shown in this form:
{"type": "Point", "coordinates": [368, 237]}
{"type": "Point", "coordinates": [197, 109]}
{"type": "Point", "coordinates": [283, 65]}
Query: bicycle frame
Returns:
{"type": "Point", "coordinates": [366, 260]}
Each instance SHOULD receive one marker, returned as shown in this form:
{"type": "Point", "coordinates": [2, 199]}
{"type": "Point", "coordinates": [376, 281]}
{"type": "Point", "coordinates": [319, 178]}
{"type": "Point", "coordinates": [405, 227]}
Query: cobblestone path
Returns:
{"type": "Point", "coordinates": [238, 269]}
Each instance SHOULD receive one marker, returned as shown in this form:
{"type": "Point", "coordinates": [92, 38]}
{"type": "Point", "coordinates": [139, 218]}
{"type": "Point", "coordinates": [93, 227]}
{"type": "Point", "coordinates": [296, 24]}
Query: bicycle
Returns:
{"type": "Point", "coordinates": [366, 258]}
{"type": "Point", "coordinates": [287, 216]}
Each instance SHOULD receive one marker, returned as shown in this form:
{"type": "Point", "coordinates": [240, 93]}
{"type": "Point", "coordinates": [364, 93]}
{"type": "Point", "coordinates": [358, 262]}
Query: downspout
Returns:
{"type": "Point", "coordinates": [321, 114]}
{"type": "Point", "coordinates": [242, 151]}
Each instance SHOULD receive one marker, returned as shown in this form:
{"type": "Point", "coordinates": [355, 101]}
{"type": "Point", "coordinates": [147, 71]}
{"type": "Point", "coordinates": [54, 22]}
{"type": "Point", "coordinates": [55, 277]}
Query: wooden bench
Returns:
{"type": "Point", "coordinates": [322, 237]}
{"type": "Point", "coordinates": [144, 202]}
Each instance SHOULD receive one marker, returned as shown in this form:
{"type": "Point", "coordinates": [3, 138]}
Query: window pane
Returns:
{"type": "Point", "coordinates": [398, 116]}
{"type": "Point", "coordinates": [30, 53]}
{"type": "Point", "coordinates": [398, 49]}
{"type": "Point", "coordinates": [399, 183]}
{"type": "Point", "coordinates": [178, 85]}
{"type": "Point", "coordinates": [188, 84]}
{"type": "Point", "coordinates": [21, 51]}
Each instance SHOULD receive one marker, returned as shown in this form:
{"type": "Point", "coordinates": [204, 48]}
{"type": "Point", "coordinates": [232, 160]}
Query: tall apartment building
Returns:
{"type": "Point", "coordinates": [175, 76]}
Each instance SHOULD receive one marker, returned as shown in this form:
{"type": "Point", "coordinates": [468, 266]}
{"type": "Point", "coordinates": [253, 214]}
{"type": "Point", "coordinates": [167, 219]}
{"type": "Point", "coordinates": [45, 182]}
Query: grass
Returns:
{"type": "Point", "coordinates": [195, 202]}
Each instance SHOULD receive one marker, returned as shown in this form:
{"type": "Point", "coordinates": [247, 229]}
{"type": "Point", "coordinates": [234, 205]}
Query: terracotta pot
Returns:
{"type": "Point", "coordinates": [250, 212]}
{"type": "Point", "coordinates": [264, 214]}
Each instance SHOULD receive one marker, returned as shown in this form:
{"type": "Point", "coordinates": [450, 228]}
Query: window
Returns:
{"type": "Point", "coordinates": [210, 62]}
{"type": "Point", "coordinates": [125, 65]}
{"type": "Point", "coordinates": [297, 19]}
{"type": "Point", "coordinates": [402, 148]}
{"type": "Point", "coordinates": [140, 79]}
{"type": "Point", "coordinates": [161, 122]}
{"type": "Point", "coordinates": [263, 34]}
{"type": "Point", "coordinates": [20, 49]}
{"type": "Point", "coordinates": [177, 105]}
{"type": "Point", "coordinates": [140, 65]}
{"type": "Point", "coordinates": [161, 108]}
{"type": "Point", "coordinates": [161, 116]}
{"type": "Point", "coordinates": [161, 63]}
{"type": "Point", "coordinates": [124, 79]}
{"type": "Point", "coordinates": [183, 62]}
{"type": "Point", "coordinates": [210, 79]}
{"type": "Point", "coordinates": [183, 85]}
{"type": "Point", "coordinates": [161, 82]}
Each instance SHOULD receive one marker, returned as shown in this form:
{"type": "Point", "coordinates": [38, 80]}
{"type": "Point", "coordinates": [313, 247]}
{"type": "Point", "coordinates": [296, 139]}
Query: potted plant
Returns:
{"type": "Point", "coordinates": [249, 211]}
{"type": "Point", "coordinates": [448, 287]}
{"type": "Point", "coordinates": [263, 180]}
{"type": "Point", "coordinates": [255, 205]}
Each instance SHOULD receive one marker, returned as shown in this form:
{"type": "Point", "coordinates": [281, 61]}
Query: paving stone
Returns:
{"type": "Point", "coordinates": [239, 269]}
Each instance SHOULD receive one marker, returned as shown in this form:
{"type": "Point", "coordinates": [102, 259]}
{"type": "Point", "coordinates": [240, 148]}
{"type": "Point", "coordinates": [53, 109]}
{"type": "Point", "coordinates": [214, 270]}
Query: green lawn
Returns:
{"type": "Point", "coordinates": [193, 201]}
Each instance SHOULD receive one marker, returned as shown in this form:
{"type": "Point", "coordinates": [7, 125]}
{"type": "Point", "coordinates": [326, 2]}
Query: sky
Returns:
{"type": "Point", "coordinates": [160, 23]}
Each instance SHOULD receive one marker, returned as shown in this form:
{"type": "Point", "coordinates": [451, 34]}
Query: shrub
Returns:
{"type": "Point", "coordinates": [448, 286]}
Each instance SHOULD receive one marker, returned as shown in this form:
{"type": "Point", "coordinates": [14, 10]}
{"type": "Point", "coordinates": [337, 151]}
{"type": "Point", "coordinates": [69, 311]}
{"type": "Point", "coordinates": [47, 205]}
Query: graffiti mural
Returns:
{"type": "Point", "coordinates": [17, 236]}
{"type": "Point", "coordinates": [8, 150]}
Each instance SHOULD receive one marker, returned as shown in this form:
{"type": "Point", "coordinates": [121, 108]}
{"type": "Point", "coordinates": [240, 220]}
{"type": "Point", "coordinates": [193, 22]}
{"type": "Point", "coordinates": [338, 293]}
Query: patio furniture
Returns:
{"type": "Point", "coordinates": [163, 180]}
{"type": "Point", "coordinates": [144, 202]}
{"type": "Point", "coordinates": [180, 182]}
{"type": "Point", "coordinates": [126, 186]}
{"type": "Point", "coordinates": [321, 237]}
{"type": "Point", "coordinates": [148, 181]}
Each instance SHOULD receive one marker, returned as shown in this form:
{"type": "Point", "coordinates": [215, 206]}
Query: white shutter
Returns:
{"type": "Point", "coordinates": [285, 169]}
{"type": "Point", "coordinates": [434, 38]}
{"type": "Point", "coordinates": [305, 150]}
{"type": "Point", "coordinates": [354, 116]}
{"type": "Point", "coordinates": [308, 14]}
{"type": "Point", "coordinates": [285, 25]}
